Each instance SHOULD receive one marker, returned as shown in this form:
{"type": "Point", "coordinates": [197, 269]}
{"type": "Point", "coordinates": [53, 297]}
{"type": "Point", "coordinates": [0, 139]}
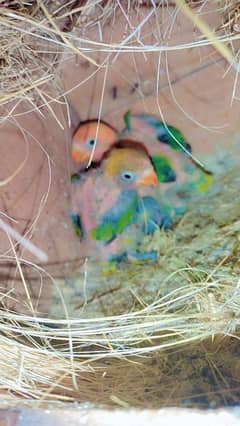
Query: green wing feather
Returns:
{"type": "Point", "coordinates": [77, 225]}
{"type": "Point", "coordinates": [76, 177]}
{"type": "Point", "coordinates": [127, 120]}
{"type": "Point", "coordinates": [173, 137]}
{"type": "Point", "coordinates": [163, 168]}
{"type": "Point", "coordinates": [116, 219]}
{"type": "Point", "coordinates": [103, 232]}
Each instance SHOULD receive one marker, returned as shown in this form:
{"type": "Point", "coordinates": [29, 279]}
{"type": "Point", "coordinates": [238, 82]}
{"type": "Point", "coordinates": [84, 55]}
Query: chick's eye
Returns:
{"type": "Point", "coordinates": [91, 142]}
{"type": "Point", "coordinates": [127, 176]}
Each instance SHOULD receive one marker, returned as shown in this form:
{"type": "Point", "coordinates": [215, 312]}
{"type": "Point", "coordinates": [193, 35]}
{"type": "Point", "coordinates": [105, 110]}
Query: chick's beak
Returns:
{"type": "Point", "coordinates": [149, 179]}
{"type": "Point", "coordinates": [77, 155]}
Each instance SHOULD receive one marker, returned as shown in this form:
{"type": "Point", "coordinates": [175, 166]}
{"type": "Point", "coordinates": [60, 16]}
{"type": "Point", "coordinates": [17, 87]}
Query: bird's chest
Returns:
{"type": "Point", "coordinates": [106, 193]}
{"type": "Point", "coordinates": [99, 196]}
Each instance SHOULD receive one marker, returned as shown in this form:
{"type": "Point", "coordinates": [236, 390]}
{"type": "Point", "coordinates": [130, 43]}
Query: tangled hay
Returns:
{"type": "Point", "coordinates": [97, 350]}
{"type": "Point", "coordinates": [35, 33]}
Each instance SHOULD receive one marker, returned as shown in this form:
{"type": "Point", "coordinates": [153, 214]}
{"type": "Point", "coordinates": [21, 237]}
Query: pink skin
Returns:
{"type": "Point", "coordinates": [92, 199]}
{"type": "Point", "coordinates": [98, 192]}
{"type": "Point", "coordinates": [82, 202]}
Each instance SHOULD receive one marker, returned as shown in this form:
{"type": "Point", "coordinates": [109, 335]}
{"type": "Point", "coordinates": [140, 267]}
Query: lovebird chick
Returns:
{"type": "Point", "coordinates": [93, 139]}
{"type": "Point", "coordinates": [170, 153]}
{"type": "Point", "coordinates": [166, 146]}
{"type": "Point", "coordinates": [90, 141]}
{"type": "Point", "coordinates": [159, 138]}
{"type": "Point", "coordinates": [109, 205]}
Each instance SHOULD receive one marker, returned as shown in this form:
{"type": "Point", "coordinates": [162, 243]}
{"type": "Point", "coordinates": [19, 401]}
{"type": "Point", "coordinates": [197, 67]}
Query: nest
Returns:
{"type": "Point", "coordinates": [191, 295]}
{"type": "Point", "coordinates": [107, 350]}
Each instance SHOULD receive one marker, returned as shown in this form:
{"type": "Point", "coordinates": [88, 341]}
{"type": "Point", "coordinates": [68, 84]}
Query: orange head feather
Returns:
{"type": "Point", "coordinates": [91, 140]}
{"type": "Point", "coordinates": [132, 166]}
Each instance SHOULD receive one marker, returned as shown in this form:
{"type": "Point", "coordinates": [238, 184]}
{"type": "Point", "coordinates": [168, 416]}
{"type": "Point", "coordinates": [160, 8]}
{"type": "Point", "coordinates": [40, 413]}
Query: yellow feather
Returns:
{"type": "Point", "coordinates": [121, 158]}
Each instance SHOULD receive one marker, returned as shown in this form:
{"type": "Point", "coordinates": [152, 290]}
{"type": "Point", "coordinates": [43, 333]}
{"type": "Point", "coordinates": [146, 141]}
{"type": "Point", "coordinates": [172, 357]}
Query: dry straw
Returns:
{"type": "Point", "coordinates": [47, 359]}
{"type": "Point", "coordinates": [35, 33]}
